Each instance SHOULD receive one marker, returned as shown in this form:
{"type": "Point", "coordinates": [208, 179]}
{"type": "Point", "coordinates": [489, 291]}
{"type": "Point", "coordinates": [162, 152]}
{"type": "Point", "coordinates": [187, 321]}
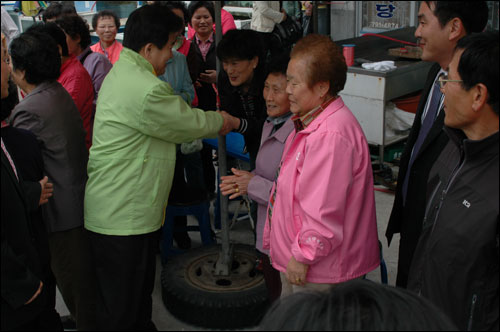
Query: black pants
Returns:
{"type": "Point", "coordinates": [72, 267]}
{"type": "Point", "coordinates": [125, 268]}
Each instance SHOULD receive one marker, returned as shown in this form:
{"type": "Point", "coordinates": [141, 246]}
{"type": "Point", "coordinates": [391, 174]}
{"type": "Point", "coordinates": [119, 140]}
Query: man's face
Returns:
{"type": "Point", "coordinates": [5, 73]}
{"type": "Point", "coordinates": [457, 102]}
{"type": "Point", "coordinates": [433, 37]}
{"type": "Point", "coordinates": [159, 57]}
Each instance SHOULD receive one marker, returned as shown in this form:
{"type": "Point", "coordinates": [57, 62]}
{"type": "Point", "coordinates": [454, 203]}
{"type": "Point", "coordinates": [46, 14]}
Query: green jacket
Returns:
{"type": "Point", "coordinates": [131, 164]}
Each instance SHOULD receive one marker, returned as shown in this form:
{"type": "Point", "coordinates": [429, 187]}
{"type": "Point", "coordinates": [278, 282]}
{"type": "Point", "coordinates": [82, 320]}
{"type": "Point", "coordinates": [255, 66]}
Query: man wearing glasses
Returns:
{"type": "Point", "coordinates": [441, 25]}
{"type": "Point", "coordinates": [456, 261]}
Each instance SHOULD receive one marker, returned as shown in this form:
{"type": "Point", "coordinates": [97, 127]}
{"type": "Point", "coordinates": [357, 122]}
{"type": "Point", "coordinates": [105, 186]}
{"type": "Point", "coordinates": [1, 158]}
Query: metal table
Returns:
{"type": "Point", "coordinates": [366, 92]}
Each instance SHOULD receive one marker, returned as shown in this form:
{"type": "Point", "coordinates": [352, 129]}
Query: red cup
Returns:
{"type": "Point", "coordinates": [349, 54]}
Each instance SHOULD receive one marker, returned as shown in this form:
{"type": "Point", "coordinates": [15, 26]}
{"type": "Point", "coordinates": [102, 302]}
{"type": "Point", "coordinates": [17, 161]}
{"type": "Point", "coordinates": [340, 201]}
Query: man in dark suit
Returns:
{"type": "Point", "coordinates": [25, 300]}
{"type": "Point", "coordinates": [48, 111]}
{"type": "Point", "coordinates": [441, 25]}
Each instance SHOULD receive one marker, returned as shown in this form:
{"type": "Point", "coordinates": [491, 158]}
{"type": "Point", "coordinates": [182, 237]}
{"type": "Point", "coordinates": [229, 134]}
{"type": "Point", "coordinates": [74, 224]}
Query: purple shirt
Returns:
{"type": "Point", "coordinates": [268, 160]}
{"type": "Point", "coordinates": [97, 66]}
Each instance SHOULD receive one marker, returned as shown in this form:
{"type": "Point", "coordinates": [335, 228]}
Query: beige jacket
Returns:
{"type": "Point", "coordinates": [265, 15]}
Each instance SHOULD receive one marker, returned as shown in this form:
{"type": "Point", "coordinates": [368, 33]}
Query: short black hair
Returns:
{"type": "Point", "coordinates": [53, 30]}
{"type": "Point", "coordinates": [38, 55]}
{"type": "Point", "coordinates": [479, 63]}
{"type": "Point", "coordinates": [56, 10]}
{"type": "Point", "coordinates": [150, 24]}
{"type": "Point", "coordinates": [240, 44]}
{"type": "Point", "coordinates": [75, 26]}
{"type": "Point", "coordinates": [195, 5]}
{"type": "Point", "coordinates": [105, 13]}
{"type": "Point", "coordinates": [473, 14]}
{"type": "Point", "coordinates": [176, 5]}
{"type": "Point", "coordinates": [278, 63]}
{"type": "Point", "coordinates": [356, 305]}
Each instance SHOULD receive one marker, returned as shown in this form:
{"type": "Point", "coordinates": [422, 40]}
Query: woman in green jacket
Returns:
{"type": "Point", "coordinates": [138, 121]}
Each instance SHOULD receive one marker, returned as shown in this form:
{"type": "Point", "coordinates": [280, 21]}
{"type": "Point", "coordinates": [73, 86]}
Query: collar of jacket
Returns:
{"type": "Point", "coordinates": [472, 148]}
{"type": "Point", "coordinates": [40, 87]}
{"type": "Point", "coordinates": [131, 56]}
{"type": "Point", "coordinates": [333, 107]}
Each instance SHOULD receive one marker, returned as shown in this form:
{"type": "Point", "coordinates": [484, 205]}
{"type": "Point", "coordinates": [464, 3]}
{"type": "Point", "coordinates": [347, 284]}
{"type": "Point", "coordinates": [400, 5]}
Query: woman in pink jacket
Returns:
{"type": "Point", "coordinates": [321, 226]}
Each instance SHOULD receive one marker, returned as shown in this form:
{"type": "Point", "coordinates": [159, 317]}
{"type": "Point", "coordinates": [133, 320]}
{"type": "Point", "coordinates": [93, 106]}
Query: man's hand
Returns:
{"type": "Point", "coordinates": [230, 123]}
{"type": "Point", "coordinates": [296, 272]}
{"type": "Point", "coordinates": [47, 190]}
{"type": "Point", "coordinates": [36, 294]}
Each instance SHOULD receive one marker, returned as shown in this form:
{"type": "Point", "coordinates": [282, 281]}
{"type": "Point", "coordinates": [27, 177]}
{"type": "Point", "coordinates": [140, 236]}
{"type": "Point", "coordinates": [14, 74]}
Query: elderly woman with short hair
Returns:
{"type": "Point", "coordinates": [106, 24]}
{"type": "Point", "coordinates": [321, 226]}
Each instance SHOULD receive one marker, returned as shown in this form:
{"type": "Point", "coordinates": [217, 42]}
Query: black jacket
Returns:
{"type": "Point", "coordinates": [22, 268]}
{"type": "Point", "coordinates": [231, 102]}
{"type": "Point", "coordinates": [206, 94]}
{"type": "Point", "coordinates": [407, 220]}
{"type": "Point", "coordinates": [456, 262]}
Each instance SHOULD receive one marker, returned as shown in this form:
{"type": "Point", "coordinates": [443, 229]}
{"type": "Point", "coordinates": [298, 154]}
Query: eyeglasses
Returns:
{"type": "Point", "coordinates": [444, 79]}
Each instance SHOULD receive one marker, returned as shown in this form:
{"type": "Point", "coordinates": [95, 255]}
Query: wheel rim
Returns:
{"type": "Point", "coordinates": [200, 273]}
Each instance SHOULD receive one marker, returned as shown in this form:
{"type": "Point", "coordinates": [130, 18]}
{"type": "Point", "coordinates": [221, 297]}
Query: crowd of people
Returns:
{"type": "Point", "coordinates": [103, 137]}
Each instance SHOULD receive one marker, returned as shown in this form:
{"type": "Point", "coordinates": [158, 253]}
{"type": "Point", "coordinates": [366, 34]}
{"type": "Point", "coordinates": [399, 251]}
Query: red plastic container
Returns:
{"type": "Point", "coordinates": [349, 54]}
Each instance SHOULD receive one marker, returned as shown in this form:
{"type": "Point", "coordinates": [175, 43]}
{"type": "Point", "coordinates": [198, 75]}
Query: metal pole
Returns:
{"type": "Point", "coordinates": [223, 265]}
{"type": "Point", "coordinates": [315, 17]}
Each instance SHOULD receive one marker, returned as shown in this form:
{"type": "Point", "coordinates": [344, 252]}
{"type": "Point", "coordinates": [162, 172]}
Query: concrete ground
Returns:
{"type": "Point", "coordinates": [241, 232]}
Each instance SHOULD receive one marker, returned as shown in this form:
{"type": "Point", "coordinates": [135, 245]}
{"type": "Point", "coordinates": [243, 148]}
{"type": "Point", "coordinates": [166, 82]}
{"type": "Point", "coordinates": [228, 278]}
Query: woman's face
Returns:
{"type": "Point", "coordinates": [202, 22]}
{"type": "Point", "coordinates": [302, 98]}
{"type": "Point", "coordinates": [240, 72]}
{"type": "Point", "coordinates": [106, 29]}
{"type": "Point", "coordinates": [275, 95]}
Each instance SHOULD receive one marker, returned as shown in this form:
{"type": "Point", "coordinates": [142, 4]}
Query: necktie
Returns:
{"type": "Point", "coordinates": [424, 130]}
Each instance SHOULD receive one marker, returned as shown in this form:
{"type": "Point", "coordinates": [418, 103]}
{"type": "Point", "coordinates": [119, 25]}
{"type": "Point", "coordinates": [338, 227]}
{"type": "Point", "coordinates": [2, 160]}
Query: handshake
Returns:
{"type": "Point", "coordinates": [230, 123]}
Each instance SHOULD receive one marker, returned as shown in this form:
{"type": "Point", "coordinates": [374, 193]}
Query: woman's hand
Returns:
{"type": "Point", "coordinates": [296, 272]}
{"type": "Point", "coordinates": [235, 185]}
{"type": "Point", "coordinates": [210, 76]}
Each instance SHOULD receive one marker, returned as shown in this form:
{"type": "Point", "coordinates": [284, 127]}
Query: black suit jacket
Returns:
{"type": "Point", "coordinates": [21, 265]}
{"type": "Point", "coordinates": [407, 219]}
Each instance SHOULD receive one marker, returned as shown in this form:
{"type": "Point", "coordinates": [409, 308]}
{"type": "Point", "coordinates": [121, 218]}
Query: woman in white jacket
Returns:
{"type": "Point", "coordinates": [265, 15]}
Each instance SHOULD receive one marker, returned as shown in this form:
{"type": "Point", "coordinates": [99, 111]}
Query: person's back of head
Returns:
{"type": "Point", "coordinates": [357, 305]}
{"type": "Point", "coordinates": [38, 55]}
{"type": "Point", "coordinates": [473, 14]}
{"type": "Point", "coordinates": [180, 5]}
{"type": "Point", "coordinates": [278, 63]}
{"type": "Point", "coordinates": [479, 63]}
{"type": "Point", "coordinates": [150, 24]}
{"type": "Point", "coordinates": [76, 27]}
{"type": "Point", "coordinates": [54, 31]}
{"type": "Point", "coordinates": [56, 10]}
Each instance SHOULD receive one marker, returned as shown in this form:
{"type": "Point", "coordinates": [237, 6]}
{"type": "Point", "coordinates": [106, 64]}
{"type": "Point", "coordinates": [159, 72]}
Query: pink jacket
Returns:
{"type": "Point", "coordinates": [324, 212]}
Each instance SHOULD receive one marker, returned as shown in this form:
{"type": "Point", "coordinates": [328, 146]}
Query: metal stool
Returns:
{"type": "Point", "coordinates": [200, 212]}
